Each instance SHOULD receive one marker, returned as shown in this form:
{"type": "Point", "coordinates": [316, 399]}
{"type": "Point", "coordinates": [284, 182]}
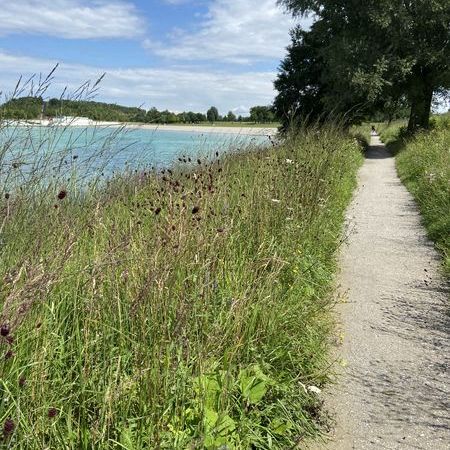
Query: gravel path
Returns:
{"type": "Point", "coordinates": [395, 389]}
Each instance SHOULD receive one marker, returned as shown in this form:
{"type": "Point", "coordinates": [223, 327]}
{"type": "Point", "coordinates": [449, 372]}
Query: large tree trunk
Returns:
{"type": "Point", "coordinates": [421, 98]}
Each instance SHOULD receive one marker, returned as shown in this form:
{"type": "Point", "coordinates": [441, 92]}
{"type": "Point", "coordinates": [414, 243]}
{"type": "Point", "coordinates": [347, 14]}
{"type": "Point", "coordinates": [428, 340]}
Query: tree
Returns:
{"type": "Point", "coordinates": [261, 114]}
{"type": "Point", "coordinates": [212, 114]}
{"type": "Point", "coordinates": [153, 115]}
{"type": "Point", "coordinates": [365, 56]}
{"type": "Point", "coordinates": [231, 117]}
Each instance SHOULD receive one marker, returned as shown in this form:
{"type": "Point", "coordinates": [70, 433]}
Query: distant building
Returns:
{"type": "Point", "coordinates": [70, 120]}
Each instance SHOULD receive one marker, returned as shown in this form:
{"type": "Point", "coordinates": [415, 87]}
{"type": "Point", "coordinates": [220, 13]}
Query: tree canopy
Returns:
{"type": "Point", "coordinates": [261, 114]}
{"type": "Point", "coordinates": [212, 114]}
{"type": "Point", "coordinates": [361, 57]}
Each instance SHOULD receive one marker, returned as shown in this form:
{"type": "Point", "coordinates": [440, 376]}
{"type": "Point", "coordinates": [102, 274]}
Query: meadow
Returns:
{"type": "Point", "coordinates": [184, 308]}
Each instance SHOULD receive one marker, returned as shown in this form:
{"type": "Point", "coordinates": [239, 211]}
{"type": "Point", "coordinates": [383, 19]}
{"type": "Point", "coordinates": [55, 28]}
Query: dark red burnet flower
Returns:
{"type": "Point", "coordinates": [8, 427]}
{"type": "Point", "coordinates": [7, 196]}
{"type": "Point", "coordinates": [157, 211]}
{"type": "Point", "coordinates": [4, 330]}
{"type": "Point", "coordinates": [52, 412]}
{"type": "Point", "coordinates": [62, 194]}
{"type": "Point", "coordinates": [22, 381]}
{"type": "Point", "coordinates": [195, 209]}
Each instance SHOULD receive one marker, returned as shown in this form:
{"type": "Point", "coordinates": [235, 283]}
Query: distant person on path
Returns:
{"type": "Point", "coordinates": [373, 132]}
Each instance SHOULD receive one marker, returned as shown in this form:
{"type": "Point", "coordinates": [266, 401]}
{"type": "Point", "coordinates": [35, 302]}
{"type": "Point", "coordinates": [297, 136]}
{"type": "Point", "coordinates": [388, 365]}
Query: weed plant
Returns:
{"type": "Point", "coordinates": [181, 309]}
{"type": "Point", "coordinates": [423, 164]}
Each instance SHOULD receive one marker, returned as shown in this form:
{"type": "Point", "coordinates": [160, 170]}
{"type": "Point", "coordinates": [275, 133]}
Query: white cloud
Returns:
{"type": "Point", "coordinates": [71, 19]}
{"type": "Point", "coordinates": [234, 31]}
{"type": "Point", "coordinates": [179, 88]}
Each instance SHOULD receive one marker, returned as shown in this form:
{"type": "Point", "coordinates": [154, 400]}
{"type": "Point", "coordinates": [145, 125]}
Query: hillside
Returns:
{"type": "Point", "coordinates": [32, 107]}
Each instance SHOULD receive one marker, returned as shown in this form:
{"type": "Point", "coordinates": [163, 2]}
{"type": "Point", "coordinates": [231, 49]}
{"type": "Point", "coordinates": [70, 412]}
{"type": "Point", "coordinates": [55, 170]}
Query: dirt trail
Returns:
{"type": "Point", "coordinates": [395, 389]}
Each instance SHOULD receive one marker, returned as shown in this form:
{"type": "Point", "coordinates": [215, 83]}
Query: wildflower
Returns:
{"type": "Point", "coordinates": [314, 390]}
{"type": "Point", "coordinates": [275, 200]}
{"type": "Point", "coordinates": [4, 330]}
{"type": "Point", "coordinates": [195, 209]}
{"type": "Point", "coordinates": [62, 194]}
{"type": "Point", "coordinates": [289, 161]}
{"type": "Point", "coordinates": [157, 211]}
{"type": "Point", "coordinates": [8, 427]}
{"type": "Point", "coordinates": [9, 354]}
{"type": "Point", "coordinates": [22, 381]}
{"type": "Point", "coordinates": [7, 196]}
{"type": "Point", "coordinates": [199, 162]}
{"type": "Point", "coordinates": [52, 412]}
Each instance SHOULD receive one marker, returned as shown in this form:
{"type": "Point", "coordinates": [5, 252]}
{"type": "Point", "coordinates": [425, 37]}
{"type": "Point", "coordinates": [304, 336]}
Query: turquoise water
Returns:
{"type": "Point", "coordinates": [62, 151]}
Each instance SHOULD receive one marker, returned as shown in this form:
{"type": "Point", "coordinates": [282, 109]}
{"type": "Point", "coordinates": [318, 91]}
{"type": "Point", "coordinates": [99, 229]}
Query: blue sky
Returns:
{"type": "Point", "coordinates": [175, 54]}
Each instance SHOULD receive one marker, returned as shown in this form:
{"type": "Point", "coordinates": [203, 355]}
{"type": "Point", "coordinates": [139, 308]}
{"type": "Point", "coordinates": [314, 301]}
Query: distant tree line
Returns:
{"type": "Point", "coordinates": [27, 108]}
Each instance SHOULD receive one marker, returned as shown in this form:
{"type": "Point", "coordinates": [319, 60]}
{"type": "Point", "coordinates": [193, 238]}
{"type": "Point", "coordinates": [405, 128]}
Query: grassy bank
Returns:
{"type": "Point", "coordinates": [423, 164]}
{"type": "Point", "coordinates": [181, 310]}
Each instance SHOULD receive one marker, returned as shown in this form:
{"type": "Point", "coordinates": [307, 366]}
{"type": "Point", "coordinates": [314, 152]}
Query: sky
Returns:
{"type": "Point", "coordinates": [171, 54]}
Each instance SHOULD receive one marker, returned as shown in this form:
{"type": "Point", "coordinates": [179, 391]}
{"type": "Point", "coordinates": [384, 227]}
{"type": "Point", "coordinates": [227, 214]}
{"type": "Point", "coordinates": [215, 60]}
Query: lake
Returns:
{"type": "Point", "coordinates": [59, 151]}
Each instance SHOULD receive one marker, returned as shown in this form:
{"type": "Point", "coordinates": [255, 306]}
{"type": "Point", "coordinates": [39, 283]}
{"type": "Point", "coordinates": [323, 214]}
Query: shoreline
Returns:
{"type": "Point", "coordinates": [235, 130]}
{"type": "Point", "coordinates": [251, 131]}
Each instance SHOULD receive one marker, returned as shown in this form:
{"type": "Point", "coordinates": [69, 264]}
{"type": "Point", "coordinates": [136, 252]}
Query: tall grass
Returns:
{"type": "Point", "coordinates": [174, 310]}
{"type": "Point", "coordinates": [423, 163]}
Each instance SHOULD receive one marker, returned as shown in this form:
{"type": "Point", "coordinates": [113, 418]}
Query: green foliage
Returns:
{"type": "Point", "coordinates": [423, 164]}
{"type": "Point", "coordinates": [361, 57]}
{"type": "Point", "coordinates": [262, 114]}
{"type": "Point", "coordinates": [32, 107]}
{"type": "Point", "coordinates": [22, 108]}
{"type": "Point", "coordinates": [231, 117]}
{"type": "Point", "coordinates": [212, 114]}
{"type": "Point", "coordinates": [178, 310]}
{"type": "Point", "coordinates": [27, 108]}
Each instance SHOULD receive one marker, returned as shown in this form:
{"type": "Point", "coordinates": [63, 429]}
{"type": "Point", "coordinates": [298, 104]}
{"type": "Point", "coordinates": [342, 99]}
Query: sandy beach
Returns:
{"type": "Point", "coordinates": [217, 129]}
{"type": "Point", "coordinates": [252, 131]}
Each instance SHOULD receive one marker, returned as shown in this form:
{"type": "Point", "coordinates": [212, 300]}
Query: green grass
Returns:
{"type": "Point", "coordinates": [423, 163]}
{"type": "Point", "coordinates": [184, 310]}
